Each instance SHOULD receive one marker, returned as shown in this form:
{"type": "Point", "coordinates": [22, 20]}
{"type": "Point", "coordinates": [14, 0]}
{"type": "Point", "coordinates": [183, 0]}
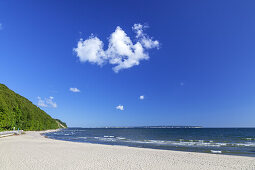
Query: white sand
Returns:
{"type": "Point", "coordinates": [32, 151]}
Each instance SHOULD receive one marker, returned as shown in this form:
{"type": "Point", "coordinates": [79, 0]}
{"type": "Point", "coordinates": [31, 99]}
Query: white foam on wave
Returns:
{"type": "Point", "coordinates": [108, 136]}
{"type": "Point", "coordinates": [214, 151]}
{"type": "Point", "coordinates": [107, 139]}
{"type": "Point", "coordinates": [249, 139]}
{"type": "Point", "coordinates": [193, 143]}
{"type": "Point", "coordinates": [179, 142]}
{"type": "Point", "coordinates": [82, 137]}
{"type": "Point", "coordinates": [251, 144]}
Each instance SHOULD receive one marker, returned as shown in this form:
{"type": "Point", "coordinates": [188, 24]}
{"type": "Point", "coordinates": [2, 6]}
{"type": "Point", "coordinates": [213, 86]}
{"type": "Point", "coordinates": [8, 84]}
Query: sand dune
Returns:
{"type": "Point", "coordinates": [32, 151]}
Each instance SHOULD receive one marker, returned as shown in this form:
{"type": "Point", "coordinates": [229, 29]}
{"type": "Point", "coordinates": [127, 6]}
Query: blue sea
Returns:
{"type": "Point", "coordinates": [234, 141]}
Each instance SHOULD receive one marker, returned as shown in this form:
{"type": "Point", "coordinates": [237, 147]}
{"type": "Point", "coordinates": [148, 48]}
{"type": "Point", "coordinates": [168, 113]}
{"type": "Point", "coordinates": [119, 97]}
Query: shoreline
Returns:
{"type": "Point", "coordinates": [220, 151]}
{"type": "Point", "coordinates": [214, 152]}
{"type": "Point", "coordinates": [34, 151]}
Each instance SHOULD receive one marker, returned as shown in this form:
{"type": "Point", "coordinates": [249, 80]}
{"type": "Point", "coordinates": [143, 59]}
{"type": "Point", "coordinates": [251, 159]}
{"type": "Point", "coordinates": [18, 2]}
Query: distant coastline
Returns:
{"type": "Point", "coordinates": [148, 127]}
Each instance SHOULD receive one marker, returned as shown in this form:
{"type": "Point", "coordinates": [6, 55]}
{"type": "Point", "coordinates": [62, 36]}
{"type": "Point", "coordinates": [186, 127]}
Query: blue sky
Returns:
{"type": "Point", "coordinates": [201, 72]}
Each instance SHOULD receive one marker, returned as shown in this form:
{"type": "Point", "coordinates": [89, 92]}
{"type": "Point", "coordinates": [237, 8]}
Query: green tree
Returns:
{"type": "Point", "coordinates": [17, 111]}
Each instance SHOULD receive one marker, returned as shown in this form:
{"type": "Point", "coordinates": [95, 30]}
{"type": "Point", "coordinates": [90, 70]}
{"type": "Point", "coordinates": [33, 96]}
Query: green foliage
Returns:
{"type": "Point", "coordinates": [16, 111]}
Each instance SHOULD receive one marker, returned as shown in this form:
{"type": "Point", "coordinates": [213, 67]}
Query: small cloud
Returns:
{"type": "Point", "coordinates": [141, 97]}
{"type": "Point", "coordinates": [41, 102]}
{"type": "Point", "coordinates": [1, 26]}
{"type": "Point", "coordinates": [50, 102]}
{"type": "Point", "coordinates": [74, 89]}
{"type": "Point", "coordinates": [182, 84]}
{"type": "Point", "coordinates": [46, 102]}
{"type": "Point", "coordinates": [120, 107]}
{"type": "Point", "coordinates": [122, 52]}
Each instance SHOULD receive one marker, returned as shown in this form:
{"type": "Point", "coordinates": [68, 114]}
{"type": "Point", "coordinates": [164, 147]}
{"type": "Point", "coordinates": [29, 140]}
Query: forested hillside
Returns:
{"type": "Point", "coordinates": [17, 111]}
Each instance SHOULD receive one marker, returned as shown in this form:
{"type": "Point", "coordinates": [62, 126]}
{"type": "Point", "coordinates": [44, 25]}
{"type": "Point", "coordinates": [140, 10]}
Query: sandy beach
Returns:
{"type": "Point", "coordinates": [33, 151]}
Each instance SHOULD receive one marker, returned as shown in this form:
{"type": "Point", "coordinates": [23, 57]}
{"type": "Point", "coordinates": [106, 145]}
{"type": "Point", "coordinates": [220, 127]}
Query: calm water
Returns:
{"type": "Point", "coordinates": [237, 141]}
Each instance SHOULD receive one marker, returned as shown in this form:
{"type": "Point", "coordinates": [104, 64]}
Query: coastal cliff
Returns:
{"type": "Point", "coordinates": [17, 111]}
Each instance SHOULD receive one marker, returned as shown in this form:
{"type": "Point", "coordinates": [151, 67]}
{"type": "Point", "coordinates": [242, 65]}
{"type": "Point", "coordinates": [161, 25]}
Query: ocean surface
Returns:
{"type": "Point", "coordinates": [234, 141]}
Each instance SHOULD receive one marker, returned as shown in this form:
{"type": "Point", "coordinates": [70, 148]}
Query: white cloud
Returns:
{"type": "Point", "coordinates": [90, 50]}
{"type": "Point", "coordinates": [120, 107]}
{"type": "Point", "coordinates": [41, 102]}
{"type": "Point", "coordinates": [145, 40]}
{"type": "Point", "coordinates": [121, 52]}
{"type": "Point", "coordinates": [141, 97]}
{"type": "Point", "coordinates": [50, 102]}
{"type": "Point", "coordinates": [74, 89]}
{"type": "Point", "coordinates": [47, 102]}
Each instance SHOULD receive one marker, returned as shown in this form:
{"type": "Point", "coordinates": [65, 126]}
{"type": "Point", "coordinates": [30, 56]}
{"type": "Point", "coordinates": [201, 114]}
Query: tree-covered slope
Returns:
{"type": "Point", "coordinates": [17, 111]}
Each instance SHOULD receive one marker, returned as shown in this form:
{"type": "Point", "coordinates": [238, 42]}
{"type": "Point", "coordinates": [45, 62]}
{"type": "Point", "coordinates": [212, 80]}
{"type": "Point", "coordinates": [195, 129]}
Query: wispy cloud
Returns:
{"type": "Point", "coordinates": [46, 102]}
{"type": "Point", "coordinates": [141, 97]}
{"type": "Point", "coordinates": [41, 102]}
{"type": "Point", "coordinates": [1, 26]}
{"type": "Point", "coordinates": [74, 89]}
{"type": "Point", "coordinates": [121, 52]}
{"type": "Point", "coordinates": [120, 107]}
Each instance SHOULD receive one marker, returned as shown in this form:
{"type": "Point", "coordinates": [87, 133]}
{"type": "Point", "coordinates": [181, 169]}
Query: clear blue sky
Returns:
{"type": "Point", "coordinates": [202, 73]}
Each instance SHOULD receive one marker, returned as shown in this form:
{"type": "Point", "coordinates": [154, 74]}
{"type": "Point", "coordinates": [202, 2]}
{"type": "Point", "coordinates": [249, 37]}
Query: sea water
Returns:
{"type": "Point", "coordinates": [235, 141]}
